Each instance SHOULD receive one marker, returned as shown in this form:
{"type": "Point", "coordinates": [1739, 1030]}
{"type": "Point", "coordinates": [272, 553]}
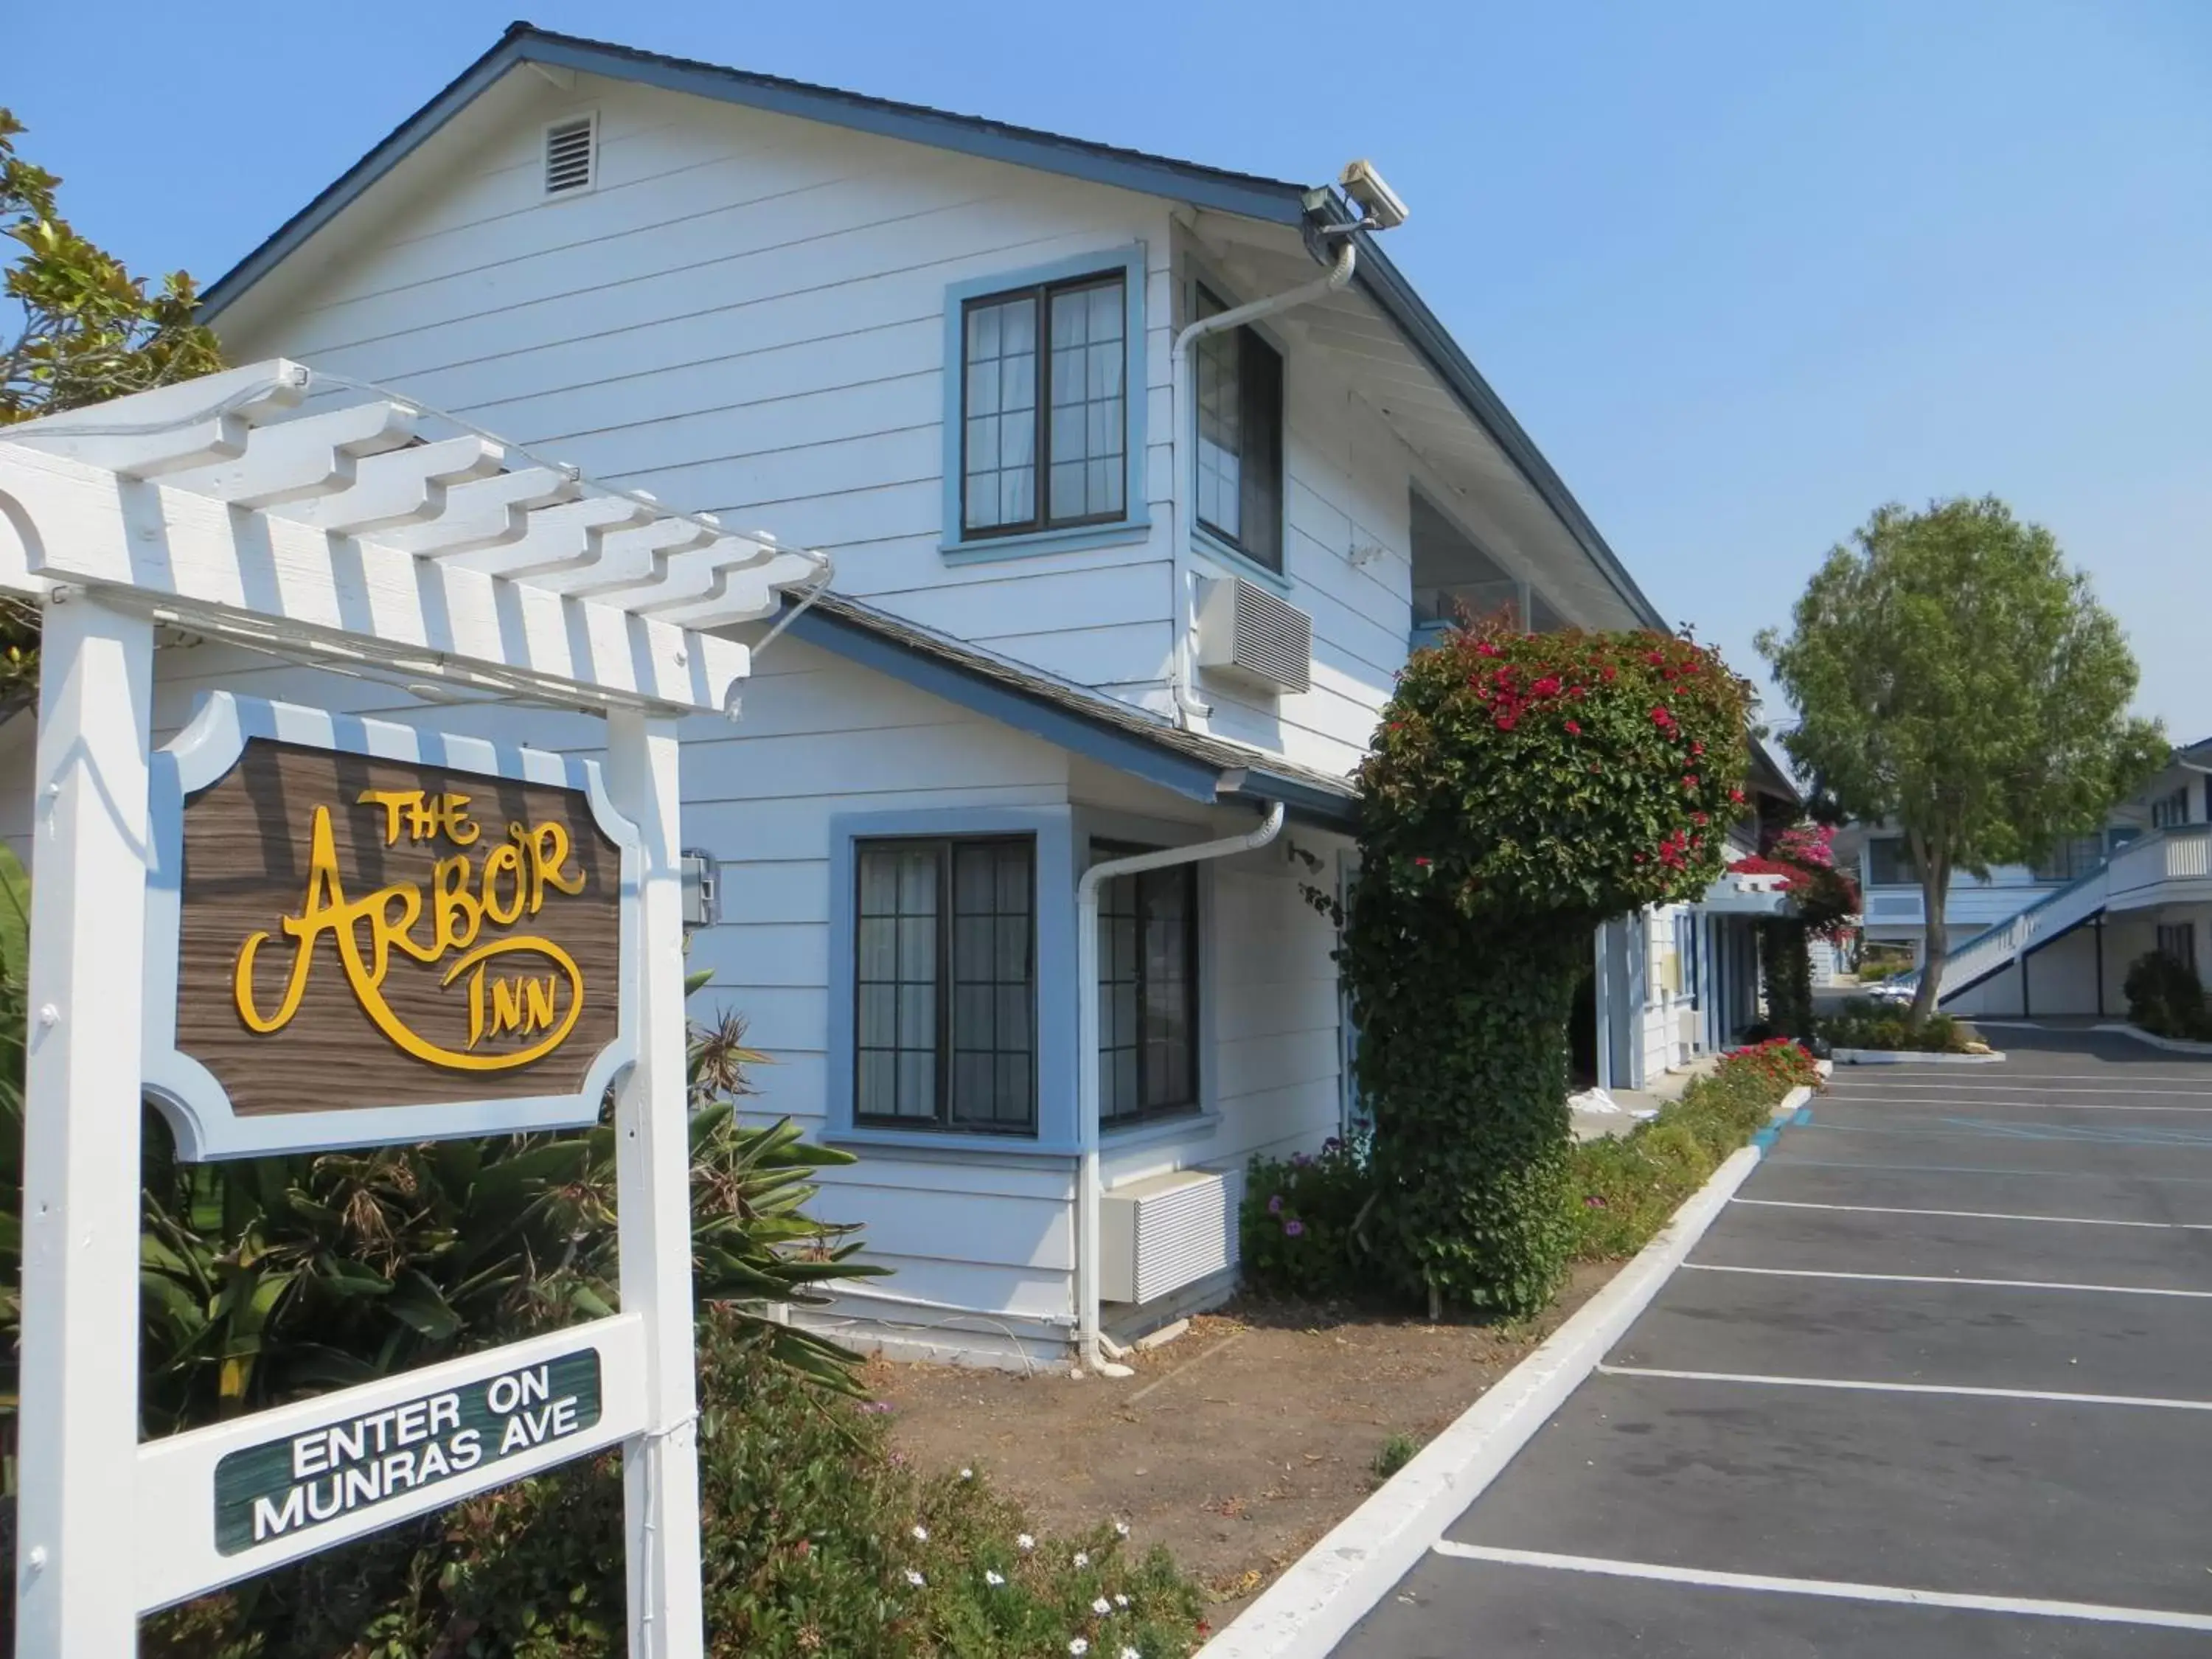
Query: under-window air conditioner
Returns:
{"type": "Point", "coordinates": [1246, 632]}
{"type": "Point", "coordinates": [1165, 1232]}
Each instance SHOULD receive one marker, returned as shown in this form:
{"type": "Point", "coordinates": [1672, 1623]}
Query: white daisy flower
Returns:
{"type": "Point", "coordinates": [993, 1579]}
{"type": "Point", "coordinates": [915, 1578]}
{"type": "Point", "coordinates": [1079, 1646]}
{"type": "Point", "coordinates": [920, 1534]}
{"type": "Point", "coordinates": [1101, 1607]}
{"type": "Point", "coordinates": [1081, 1559]}
{"type": "Point", "coordinates": [1120, 1599]}
{"type": "Point", "coordinates": [1120, 1529]}
{"type": "Point", "coordinates": [1024, 1543]}
{"type": "Point", "coordinates": [967, 1474]}
{"type": "Point", "coordinates": [1131, 1653]}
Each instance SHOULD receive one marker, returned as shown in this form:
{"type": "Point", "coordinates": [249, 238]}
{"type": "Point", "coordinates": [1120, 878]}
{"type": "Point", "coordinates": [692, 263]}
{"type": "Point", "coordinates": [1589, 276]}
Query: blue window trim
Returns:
{"type": "Point", "coordinates": [1055, 830]}
{"type": "Point", "coordinates": [962, 549]}
{"type": "Point", "coordinates": [1198, 273]}
{"type": "Point", "coordinates": [1207, 545]}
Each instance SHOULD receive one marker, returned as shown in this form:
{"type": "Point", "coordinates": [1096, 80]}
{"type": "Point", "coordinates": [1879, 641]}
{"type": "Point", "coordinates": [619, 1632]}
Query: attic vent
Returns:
{"type": "Point", "coordinates": [568, 150]}
{"type": "Point", "coordinates": [1245, 631]}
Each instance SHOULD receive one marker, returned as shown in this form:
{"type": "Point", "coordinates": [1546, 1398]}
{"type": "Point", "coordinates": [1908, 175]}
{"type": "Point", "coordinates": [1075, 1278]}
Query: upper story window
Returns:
{"type": "Point", "coordinates": [1239, 385]}
{"type": "Point", "coordinates": [944, 984]}
{"type": "Point", "coordinates": [2167, 810]}
{"type": "Point", "coordinates": [2071, 859]}
{"type": "Point", "coordinates": [1889, 863]}
{"type": "Point", "coordinates": [1044, 425]}
{"type": "Point", "coordinates": [1455, 580]}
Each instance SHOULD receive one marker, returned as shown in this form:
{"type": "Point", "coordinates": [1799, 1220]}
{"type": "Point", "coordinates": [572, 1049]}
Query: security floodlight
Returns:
{"type": "Point", "coordinates": [1372, 196]}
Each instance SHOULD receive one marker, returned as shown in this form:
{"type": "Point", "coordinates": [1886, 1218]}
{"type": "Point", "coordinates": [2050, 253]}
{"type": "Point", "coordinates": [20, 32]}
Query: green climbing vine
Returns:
{"type": "Point", "coordinates": [1523, 788]}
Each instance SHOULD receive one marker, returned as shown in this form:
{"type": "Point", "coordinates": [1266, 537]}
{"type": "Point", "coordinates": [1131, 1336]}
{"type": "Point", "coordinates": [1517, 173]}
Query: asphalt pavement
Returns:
{"type": "Point", "coordinates": [1937, 1383]}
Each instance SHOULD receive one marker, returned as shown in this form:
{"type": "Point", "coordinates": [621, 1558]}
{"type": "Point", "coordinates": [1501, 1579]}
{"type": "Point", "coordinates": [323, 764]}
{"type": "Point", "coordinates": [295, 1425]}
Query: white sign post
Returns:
{"type": "Point", "coordinates": [215, 506]}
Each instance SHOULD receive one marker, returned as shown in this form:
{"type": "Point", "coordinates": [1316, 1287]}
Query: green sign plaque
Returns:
{"type": "Point", "coordinates": [304, 1480]}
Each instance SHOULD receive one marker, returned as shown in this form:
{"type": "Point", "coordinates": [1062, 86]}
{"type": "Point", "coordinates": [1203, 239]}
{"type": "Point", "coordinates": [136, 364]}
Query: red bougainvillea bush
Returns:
{"type": "Point", "coordinates": [1522, 787]}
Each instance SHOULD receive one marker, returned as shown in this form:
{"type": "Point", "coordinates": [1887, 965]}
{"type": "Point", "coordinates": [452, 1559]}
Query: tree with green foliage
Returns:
{"type": "Point", "coordinates": [1524, 788]}
{"type": "Point", "coordinates": [79, 329]}
{"type": "Point", "coordinates": [1953, 676]}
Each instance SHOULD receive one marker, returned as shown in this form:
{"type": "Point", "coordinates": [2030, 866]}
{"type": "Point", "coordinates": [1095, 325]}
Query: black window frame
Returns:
{"type": "Point", "coordinates": [2170, 810]}
{"type": "Point", "coordinates": [1193, 995]}
{"type": "Point", "coordinates": [1901, 860]}
{"type": "Point", "coordinates": [1042, 295]}
{"type": "Point", "coordinates": [2183, 933]}
{"type": "Point", "coordinates": [943, 1120]}
{"type": "Point", "coordinates": [1253, 350]}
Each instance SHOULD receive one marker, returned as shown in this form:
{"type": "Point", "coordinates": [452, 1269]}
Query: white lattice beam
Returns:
{"type": "Point", "coordinates": [73, 521]}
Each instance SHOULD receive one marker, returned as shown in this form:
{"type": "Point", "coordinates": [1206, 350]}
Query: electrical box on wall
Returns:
{"type": "Point", "coordinates": [1246, 633]}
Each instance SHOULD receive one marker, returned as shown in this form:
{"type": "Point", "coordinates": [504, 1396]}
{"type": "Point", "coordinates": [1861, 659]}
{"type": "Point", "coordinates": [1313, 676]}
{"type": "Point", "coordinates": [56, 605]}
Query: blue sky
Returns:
{"type": "Point", "coordinates": [1744, 271]}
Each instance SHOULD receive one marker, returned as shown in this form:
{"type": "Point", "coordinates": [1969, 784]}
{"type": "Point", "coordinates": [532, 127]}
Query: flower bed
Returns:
{"type": "Point", "coordinates": [1865, 1023]}
{"type": "Point", "coordinates": [1626, 1189]}
{"type": "Point", "coordinates": [818, 1539]}
{"type": "Point", "coordinates": [1302, 1231]}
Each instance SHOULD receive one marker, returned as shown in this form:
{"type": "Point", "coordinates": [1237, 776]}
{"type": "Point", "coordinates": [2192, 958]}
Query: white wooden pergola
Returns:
{"type": "Point", "coordinates": [328, 523]}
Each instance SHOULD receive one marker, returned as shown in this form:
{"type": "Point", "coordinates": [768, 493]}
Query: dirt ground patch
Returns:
{"type": "Point", "coordinates": [1237, 1445]}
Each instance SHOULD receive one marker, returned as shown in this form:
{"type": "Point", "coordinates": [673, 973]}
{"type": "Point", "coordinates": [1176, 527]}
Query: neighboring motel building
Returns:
{"type": "Point", "coordinates": [2059, 939]}
{"type": "Point", "coordinates": [1094, 595]}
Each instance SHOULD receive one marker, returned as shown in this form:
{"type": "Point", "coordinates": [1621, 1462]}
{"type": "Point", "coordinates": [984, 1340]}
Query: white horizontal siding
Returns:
{"type": "Point", "coordinates": [745, 316]}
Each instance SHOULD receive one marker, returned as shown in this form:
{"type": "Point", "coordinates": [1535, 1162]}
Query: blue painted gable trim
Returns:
{"type": "Point", "coordinates": [1055, 830]}
{"type": "Point", "coordinates": [1124, 751]}
{"type": "Point", "coordinates": [955, 542]}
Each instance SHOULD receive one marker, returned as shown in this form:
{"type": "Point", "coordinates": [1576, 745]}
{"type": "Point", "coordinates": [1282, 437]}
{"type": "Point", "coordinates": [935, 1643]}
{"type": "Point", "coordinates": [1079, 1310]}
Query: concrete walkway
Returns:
{"type": "Point", "coordinates": [1938, 1383]}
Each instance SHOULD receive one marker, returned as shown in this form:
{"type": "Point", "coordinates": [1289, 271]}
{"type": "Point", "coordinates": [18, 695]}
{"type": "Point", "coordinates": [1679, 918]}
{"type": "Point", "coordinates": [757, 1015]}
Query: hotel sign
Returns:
{"type": "Point", "coordinates": [353, 1463]}
{"type": "Point", "coordinates": [376, 933]}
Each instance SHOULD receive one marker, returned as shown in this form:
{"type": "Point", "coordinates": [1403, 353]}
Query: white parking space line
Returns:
{"type": "Point", "coordinates": [1871, 1087]}
{"type": "Point", "coordinates": [1833, 1590]}
{"type": "Point", "coordinates": [1975, 1215]}
{"type": "Point", "coordinates": [2001, 1106]}
{"type": "Point", "coordinates": [1934, 1279]}
{"type": "Point", "coordinates": [1863, 1386]}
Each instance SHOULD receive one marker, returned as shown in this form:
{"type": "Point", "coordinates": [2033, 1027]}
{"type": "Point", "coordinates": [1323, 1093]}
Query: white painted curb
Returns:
{"type": "Point", "coordinates": [1333, 1586]}
{"type": "Point", "coordinates": [2174, 1045]}
{"type": "Point", "coordinates": [1911, 1057]}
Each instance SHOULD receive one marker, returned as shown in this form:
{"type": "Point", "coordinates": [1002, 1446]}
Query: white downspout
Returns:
{"type": "Point", "coordinates": [1186, 449]}
{"type": "Point", "coordinates": [1086, 1059]}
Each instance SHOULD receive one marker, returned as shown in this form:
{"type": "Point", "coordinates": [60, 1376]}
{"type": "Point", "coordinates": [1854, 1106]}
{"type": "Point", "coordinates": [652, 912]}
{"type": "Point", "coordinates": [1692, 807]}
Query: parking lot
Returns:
{"type": "Point", "coordinates": [1938, 1383]}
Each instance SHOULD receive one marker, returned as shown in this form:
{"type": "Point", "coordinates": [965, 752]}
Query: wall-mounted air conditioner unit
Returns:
{"type": "Point", "coordinates": [1246, 632]}
{"type": "Point", "coordinates": [1165, 1232]}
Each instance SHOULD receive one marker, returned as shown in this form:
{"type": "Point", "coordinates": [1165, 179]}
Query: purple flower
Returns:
{"type": "Point", "coordinates": [1300, 1160]}
{"type": "Point", "coordinates": [876, 1407]}
{"type": "Point", "coordinates": [1331, 1145]}
{"type": "Point", "coordinates": [1293, 1229]}
{"type": "Point", "coordinates": [1275, 1204]}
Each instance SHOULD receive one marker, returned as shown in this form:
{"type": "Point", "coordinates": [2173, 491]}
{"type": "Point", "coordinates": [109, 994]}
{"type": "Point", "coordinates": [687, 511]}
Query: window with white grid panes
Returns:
{"type": "Point", "coordinates": [1147, 993]}
{"type": "Point", "coordinates": [1239, 379]}
{"type": "Point", "coordinates": [1073, 336]}
{"type": "Point", "coordinates": [945, 971]}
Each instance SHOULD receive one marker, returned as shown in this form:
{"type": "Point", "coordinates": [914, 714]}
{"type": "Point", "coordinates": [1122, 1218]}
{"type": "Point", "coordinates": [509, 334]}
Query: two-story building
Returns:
{"type": "Point", "coordinates": [1139, 477]}
{"type": "Point", "coordinates": [2058, 939]}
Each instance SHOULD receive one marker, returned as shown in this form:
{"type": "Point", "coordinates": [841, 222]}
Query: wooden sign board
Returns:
{"type": "Point", "coordinates": [361, 933]}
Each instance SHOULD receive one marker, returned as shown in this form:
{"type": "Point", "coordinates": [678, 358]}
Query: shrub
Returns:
{"type": "Point", "coordinates": [1623, 1190]}
{"type": "Point", "coordinates": [2166, 998]}
{"type": "Point", "coordinates": [1299, 1220]}
{"type": "Point", "coordinates": [1394, 1455]}
{"type": "Point", "coordinates": [811, 1526]}
{"type": "Point", "coordinates": [1523, 788]}
{"type": "Point", "coordinates": [1863, 1022]}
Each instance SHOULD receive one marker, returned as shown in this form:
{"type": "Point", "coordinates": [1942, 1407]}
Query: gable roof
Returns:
{"type": "Point", "coordinates": [1115, 734]}
{"type": "Point", "coordinates": [1270, 200]}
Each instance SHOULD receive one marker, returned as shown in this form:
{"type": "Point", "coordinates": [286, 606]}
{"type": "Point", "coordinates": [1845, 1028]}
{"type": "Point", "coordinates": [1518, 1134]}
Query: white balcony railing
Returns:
{"type": "Point", "coordinates": [2139, 869]}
